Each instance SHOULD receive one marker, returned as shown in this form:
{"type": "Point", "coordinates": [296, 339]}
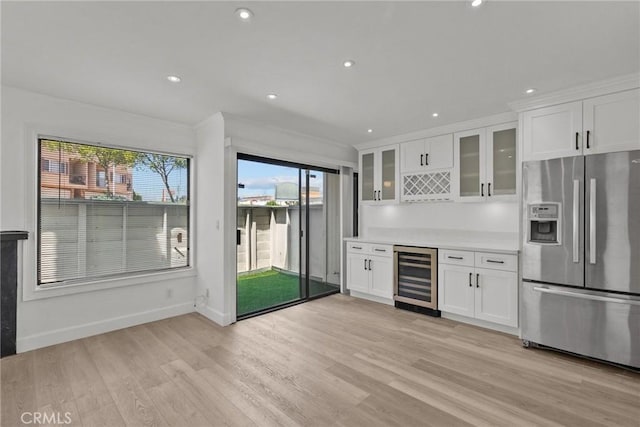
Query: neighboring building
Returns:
{"type": "Point", "coordinates": [67, 176]}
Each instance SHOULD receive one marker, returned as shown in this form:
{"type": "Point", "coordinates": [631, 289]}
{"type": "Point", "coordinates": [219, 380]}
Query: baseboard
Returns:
{"type": "Point", "coordinates": [374, 298]}
{"type": "Point", "coordinates": [481, 323]}
{"type": "Point", "coordinates": [222, 319]}
{"type": "Point", "coordinates": [58, 336]}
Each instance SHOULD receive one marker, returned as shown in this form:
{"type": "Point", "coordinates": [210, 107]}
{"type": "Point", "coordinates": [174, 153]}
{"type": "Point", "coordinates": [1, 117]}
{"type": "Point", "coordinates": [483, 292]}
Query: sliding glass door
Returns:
{"type": "Point", "coordinates": [287, 234]}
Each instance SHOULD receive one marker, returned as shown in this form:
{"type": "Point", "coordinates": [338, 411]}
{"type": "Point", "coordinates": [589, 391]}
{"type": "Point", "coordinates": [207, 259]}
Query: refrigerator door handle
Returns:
{"type": "Point", "coordinates": [592, 221]}
{"type": "Point", "coordinates": [576, 220]}
{"type": "Point", "coordinates": [586, 296]}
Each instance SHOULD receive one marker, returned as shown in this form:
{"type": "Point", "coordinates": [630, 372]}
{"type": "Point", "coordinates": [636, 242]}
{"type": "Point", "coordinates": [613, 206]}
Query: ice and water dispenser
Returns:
{"type": "Point", "coordinates": [544, 223]}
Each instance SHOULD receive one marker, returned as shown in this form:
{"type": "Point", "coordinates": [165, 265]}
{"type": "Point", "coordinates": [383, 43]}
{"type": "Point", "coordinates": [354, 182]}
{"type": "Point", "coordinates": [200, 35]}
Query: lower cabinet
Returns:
{"type": "Point", "coordinates": [370, 269]}
{"type": "Point", "coordinates": [489, 294]}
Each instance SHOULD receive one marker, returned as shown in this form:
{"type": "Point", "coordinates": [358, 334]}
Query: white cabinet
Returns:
{"type": "Point", "coordinates": [597, 125]}
{"type": "Point", "coordinates": [426, 154]}
{"type": "Point", "coordinates": [553, 132]}
{"type": "Point", "coordinates": [612, 122]}
{"type": "Point", "coordinates": [379, 175]}
{"type": "Point", "coordinates": [486, 163]}
{"type": "Point", "coordinates": [426, 169]}
{"type": "Point", "coordinates": [479, 285]}
{"type": "Point", "coordinates": [370, 269]}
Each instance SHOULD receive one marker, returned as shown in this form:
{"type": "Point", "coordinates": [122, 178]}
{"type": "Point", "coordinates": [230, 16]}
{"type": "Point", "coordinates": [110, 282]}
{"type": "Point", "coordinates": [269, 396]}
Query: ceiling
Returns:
{"type": "Point", "coordinates": [412, 58]}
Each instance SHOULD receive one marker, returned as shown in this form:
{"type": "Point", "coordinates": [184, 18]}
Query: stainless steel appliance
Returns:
{"type": "Point", "coordinates": [416, 279]}
{"type": "Point", "coordinates": [581, 255]}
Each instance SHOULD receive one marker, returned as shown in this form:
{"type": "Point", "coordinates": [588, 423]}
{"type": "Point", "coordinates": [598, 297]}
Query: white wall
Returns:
{"type": "Point", "coordinates": [490, 216]}
{"type": "Point", "coordinates": [60, 318]}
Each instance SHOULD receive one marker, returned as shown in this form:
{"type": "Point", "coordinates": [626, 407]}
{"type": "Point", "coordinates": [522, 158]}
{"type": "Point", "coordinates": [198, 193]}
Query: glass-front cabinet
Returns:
{"type": "Point", "coordinates": [486, 159]}
{"type": "Point", "coordinates": [379, 175]}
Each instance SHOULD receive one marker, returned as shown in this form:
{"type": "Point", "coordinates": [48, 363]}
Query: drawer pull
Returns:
{"type": "Point", "coordinates": [356, 247]}
{"type": "Point", "coordinates": [495, 262]}
{"type": "Point", "coordinates": [454, 257]}
{"type": "Point", "coordinates": [380, 250]}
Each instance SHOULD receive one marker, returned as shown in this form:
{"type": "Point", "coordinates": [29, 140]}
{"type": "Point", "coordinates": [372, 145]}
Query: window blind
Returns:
{"type": "Point", "coordinates": [110, 212]}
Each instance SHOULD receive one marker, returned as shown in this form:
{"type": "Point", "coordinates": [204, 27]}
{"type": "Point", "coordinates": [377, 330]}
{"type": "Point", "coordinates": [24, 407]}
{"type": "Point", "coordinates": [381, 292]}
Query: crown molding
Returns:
{"type": "Point", "coordinates": [603, 87]}
{"type": "Point", "coordinates": [495, 119]}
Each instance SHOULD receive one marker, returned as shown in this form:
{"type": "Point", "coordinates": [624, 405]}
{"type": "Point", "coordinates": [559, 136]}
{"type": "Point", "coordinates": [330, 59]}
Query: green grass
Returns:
{"type": "Point", "coordinates": [268, 288]}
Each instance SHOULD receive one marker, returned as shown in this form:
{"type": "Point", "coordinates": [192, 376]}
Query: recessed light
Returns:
{"type": "Point", "coordinates": [511, 157]}
{"type": "Point", "coordinates": [174, 79]}
{"type": "Point", "coordinates": [435, 115]}
{"type": "Point", "coordinates": [369, 130]}
{"type": "Point", "coordinates": [349, 63]}
{"type": "Point", "coordinates": [244, 13]}
{"type": "Point", "coordinates": [530, 90]}
{"type": "Point", "coordinates": [272, 96]}
{"type": "Point", "coordinates": [476, 3]}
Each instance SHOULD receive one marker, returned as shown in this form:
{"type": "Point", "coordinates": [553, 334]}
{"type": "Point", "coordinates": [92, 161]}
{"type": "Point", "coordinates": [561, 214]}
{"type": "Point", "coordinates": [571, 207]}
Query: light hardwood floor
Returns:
{"type": "Point", "coordinates": [335, 361]}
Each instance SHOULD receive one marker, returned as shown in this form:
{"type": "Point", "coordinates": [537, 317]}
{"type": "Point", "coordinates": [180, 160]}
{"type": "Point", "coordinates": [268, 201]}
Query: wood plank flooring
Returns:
{"type": "Point", "coordinates": [335, 361]}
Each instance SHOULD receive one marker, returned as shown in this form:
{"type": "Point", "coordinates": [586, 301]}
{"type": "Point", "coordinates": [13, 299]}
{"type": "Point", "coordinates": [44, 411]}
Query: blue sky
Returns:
{"type": "Point", "coordinates": [260, 178]}
{"type": "Point", "coordinates": [149, 184]}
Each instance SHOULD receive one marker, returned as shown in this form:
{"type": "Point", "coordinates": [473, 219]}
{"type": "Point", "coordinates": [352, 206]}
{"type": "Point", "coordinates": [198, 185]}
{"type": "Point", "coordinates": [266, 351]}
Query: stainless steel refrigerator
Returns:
{"type": "Point", "coordinates": [581, 255]}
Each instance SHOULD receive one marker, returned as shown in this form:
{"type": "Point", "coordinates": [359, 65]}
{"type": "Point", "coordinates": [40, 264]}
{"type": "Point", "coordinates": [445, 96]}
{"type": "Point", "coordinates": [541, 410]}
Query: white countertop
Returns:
{"type": "Point", "coordinates": [442, 239]}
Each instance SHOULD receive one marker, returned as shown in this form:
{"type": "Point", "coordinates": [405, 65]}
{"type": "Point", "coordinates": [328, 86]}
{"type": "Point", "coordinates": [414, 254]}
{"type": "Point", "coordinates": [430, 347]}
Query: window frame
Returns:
{"type": "Point", "coordinates": [29, 277]}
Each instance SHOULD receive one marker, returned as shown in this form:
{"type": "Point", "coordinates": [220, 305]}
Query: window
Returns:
{"type": "Point", "coordinates": [54, 166]}
{"type": "Point", "coordinates": [130, 216]}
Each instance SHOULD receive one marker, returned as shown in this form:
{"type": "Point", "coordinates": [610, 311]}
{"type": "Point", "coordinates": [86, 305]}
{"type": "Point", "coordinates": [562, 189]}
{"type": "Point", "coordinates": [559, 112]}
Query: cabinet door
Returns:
{"type": "Point", "coordinates": [439, 152]}
{"type": "Point", "coordinates": [553, 132]}
{"type": "Point", "coordinates": [412, 155]}
{"type": "Point", "coordinates": [357, 272]}
{"type": "Point", "coordinates": [381, 276]}
{"type": "Point", "coordinates": [388, 174]}
{"type": "Point", "coordinates": [496, 296]}
{"type": "Point", "coordinates": [470, 153]}
{"type": "Point", "coordinates": [367, 176]}
{"type": "Point", "coordinates": [501, 161]}
{"type": "Point", "coordinates": [612, 122]}
{"type": "Point", "coordinates": [455, 289]}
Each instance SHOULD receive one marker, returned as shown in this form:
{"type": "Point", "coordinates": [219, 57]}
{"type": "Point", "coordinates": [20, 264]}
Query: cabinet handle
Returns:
{"type": "Point", "coordinates": [489, 189]}
{"type": "Point", "coordinates": [588, 132]}
{"type": "Point", "coordinates": [426, 156]}
{"type": "Point", "coordinates": [365, 264]}
{"type": "Point", "coordinates": [421, 158]}
{"type": "Point", "coordinates": [470, 276]}
{"type": "Point", "coordinates": [356, 247]}
{"type": "Point", "coordinates": [380, 250]}
{"type": "Point", "coordinates": [495, 262]}
{"type": "Point", "coordinates": [477, 280]}
{"type": "Point", "coordinates": [577, 146]}
{"type": "Point", "coordinates": [454, 257]}
{"type": "Point", "coordinates": [482, 189]}
{"type": "Point", "coordinates": [369, 265]}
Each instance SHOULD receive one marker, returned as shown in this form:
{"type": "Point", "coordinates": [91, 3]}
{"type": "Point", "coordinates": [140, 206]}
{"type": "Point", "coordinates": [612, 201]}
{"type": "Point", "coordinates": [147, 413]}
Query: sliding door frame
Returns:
{"type": "Point", "coordinates": [304, 284]}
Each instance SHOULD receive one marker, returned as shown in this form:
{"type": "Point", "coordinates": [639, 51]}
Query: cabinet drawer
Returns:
{"type": "Point", "coordinates": [446, 256]}
{"type": "Point", "coordinates": [358, 248]}
{"type": "Point", "coordinates": [497, 261]}
{"type": "Point", "coordinates": [382, 250]}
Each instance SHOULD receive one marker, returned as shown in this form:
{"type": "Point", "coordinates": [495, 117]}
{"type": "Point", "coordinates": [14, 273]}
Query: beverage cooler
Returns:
{"type": "Point", "coordinates": [416, 279]}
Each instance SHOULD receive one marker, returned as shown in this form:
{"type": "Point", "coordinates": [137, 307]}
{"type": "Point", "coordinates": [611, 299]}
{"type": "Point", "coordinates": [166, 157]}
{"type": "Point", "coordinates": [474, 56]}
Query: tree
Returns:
{"type": "Point", "coordinates": [102, 156]}
{"type": "Point", "coordinates": [163, 166]}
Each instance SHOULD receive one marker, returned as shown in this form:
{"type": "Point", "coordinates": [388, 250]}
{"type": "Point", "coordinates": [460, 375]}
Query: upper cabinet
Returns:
{"type": "Point", "coordinates": [426, 168]}
{"type": "Point", "coordinates": [427, 154]}
{"type": "Point", "coordinates": [486, 163]}
{"type": "Point", "coordinates": [597, 125]}
{"type": "Point", "coordinates": [378, 175]}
